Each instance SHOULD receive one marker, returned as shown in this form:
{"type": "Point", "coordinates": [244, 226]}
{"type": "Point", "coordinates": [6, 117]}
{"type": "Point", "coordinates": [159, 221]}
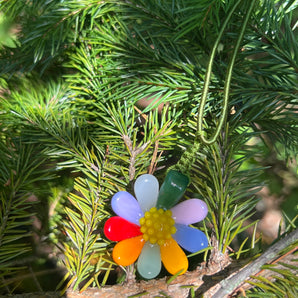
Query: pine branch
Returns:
{"type": "Point", "coordinates": [215, 171]}
{"type": "Point", "coordinates": [192, 283]}
{"type": "Point", "coordinates": [85, 250]}
{"type": "Point", "coordinates": [21, 166]}
{"type": "Point", "coordinates": [55, 28]}
{"type": "Point", "coordinates": [230, 284]}
{"type": "Point", "coordinates": [108, 66]}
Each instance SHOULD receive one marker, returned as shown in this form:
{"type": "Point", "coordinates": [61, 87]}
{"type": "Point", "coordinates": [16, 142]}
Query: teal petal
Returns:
{"type": "Point", "coordinates": [191, 239]}
{"type": "Point", "coordinates": [149, 262]}
{"type": "Point", "coordinates": [172, 189]}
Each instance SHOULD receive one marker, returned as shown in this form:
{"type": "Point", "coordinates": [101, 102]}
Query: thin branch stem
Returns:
{"type": "Point", "coordinates": [229, 284]}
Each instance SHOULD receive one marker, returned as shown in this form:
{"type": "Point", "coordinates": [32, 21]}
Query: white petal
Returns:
{"type": "Point", "coordinates": [146, 190]}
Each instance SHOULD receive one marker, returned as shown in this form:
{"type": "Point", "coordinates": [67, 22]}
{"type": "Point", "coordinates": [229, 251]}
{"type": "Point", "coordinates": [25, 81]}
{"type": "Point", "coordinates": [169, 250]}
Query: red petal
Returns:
{"type": "Point", "coordinates": [117, 228]}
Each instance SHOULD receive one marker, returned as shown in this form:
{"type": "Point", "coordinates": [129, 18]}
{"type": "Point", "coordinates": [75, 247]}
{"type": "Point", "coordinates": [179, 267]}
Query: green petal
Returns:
{"type": "Point", "coordinates": [172, 189]}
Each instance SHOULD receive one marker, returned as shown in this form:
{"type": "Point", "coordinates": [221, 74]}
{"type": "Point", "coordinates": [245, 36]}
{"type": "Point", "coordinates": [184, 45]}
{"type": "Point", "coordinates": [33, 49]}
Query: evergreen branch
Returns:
{"type": "Point", "coordinates": [134, 152]}
{"type": "Point", "coordinates": [228, 285]}
{"type": "Point", "coordinates": [85, 245]}
{"type": "Point", "coordinates": [274, 37]}
{"type": "Point", "coordinates": [21, 166]}
{"type": "Point", "coordinates": [55, 28]}
{"type": "Point", "coordinates": [279, 280]}
{"type": "Point", "coordinates": [115, 55]}
{"type": "Point", "coordinates": [214, 173]}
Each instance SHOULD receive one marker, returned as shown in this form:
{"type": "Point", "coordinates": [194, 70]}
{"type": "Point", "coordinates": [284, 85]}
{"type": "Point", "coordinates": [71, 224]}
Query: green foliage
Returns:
{"type": "Point", "coordinates": [50, 28]}
{"type": "Point", "coordinates": [281, 283]}
{"type": "Point", "coordinates": [228, 191]}
{"type": "Point", "coordinates": [20, 171]}
{"type": "Point", "coordinates": [7, 37]}
{"type": "Point", "coordinates": [85, 246]}
{"type": "Point", "coordinates": [103, 91]}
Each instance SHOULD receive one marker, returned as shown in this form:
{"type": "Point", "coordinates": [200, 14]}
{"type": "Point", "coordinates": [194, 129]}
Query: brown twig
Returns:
{"type": "Point", "coordinates": [153, 162]}
{"type": "Point", "coordinates": [229, 284]}
{"type": "Point", "coordinates": [134, 152]}
{"type": "Point", "coordinates": [178, 287]}
{"type": "Point", "coordinates": [268, 274]}
{"type": "Point", "coordinates": [278, 259]}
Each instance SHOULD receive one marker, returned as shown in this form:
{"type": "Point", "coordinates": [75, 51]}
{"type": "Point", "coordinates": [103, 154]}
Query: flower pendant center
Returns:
{"type": "Point", "coordinates": [157, 225]}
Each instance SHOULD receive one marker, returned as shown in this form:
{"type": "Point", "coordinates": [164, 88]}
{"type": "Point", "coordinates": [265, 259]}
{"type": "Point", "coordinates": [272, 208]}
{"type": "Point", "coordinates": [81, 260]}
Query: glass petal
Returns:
{"type": "Point", "coordinates": [127, 251]}
{"type": "Point", "coordinates": [146, 190]}
{"type": "Point", "coordinates": [117, 228]}
{"type": "Point", "coordinates": [173, 257]}
{"type": "Point", "coordinates": [189, 238]}
{"type": "Point", "coordinates": [172, 189]}
{"type": "Point", "coordinates": [149, 262]}
{"type": "Point", "coordinates": [189, 211]}
{"type": "Point", "coordinates": [126, 206]}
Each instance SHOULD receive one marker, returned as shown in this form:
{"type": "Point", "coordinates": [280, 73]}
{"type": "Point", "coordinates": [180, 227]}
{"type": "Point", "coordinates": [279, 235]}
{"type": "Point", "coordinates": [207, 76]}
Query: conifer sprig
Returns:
{"type": "Point", "coordinates": [21, 167]}
{"type": "Point", "coordinates": [109, 90]}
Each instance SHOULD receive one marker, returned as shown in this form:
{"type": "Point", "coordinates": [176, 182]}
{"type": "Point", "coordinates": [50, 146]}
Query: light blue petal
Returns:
{"type": "Point", "coordinates": [189, 238]}
{"type": "Point", "coordinates": [126, 206]}
{"type": "Point", "coordinates": [146, 190]}
{"type": "Point", "coordinates": [149, 262]}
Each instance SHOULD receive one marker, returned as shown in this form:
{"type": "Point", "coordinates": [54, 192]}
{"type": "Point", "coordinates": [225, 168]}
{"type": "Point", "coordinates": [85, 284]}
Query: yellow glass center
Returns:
{"type": "Point", "coordinates": [157, 225]}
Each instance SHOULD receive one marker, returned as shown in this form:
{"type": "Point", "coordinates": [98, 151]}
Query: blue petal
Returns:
{"type": "Point", "coordinates": [126, 206]}
{"type": "Point", "coordinates": [189, 238]}
{"type": "Point", "coordinates": [149, 262]}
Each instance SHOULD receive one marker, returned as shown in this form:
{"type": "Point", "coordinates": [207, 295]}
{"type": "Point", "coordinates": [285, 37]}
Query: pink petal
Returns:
{"type": "Point", "coordinates": [189, 211]}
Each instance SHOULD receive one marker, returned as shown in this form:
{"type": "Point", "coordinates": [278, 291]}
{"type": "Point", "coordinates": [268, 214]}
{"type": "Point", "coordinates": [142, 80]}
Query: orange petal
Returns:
{"type": "Point", "coordinates": [127, 251]}
{"type": "Point", "coordinates": [173, 257]}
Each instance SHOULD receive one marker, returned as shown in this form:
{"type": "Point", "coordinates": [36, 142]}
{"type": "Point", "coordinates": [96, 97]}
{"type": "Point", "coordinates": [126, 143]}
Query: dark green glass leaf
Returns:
{"type": "Point", "coordinates": [172, 189]}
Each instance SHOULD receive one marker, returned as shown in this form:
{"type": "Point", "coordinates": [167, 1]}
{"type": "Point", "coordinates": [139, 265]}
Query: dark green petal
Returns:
{"type": "Point", "coordinates": [172, 189]}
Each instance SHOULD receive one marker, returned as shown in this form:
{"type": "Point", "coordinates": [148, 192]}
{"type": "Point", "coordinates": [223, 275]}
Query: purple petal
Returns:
{"type": "Point", "coordinates": [126, 206]}
{"type": "Point", "coordinates": [191, 239]}
{"type": "Point", "coordinates": [189, 211]}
